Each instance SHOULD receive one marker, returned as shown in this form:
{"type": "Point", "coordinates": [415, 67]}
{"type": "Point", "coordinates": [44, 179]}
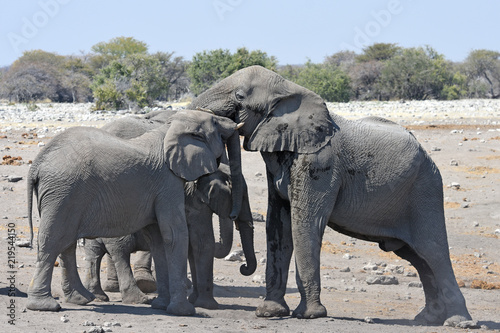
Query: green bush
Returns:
{"type": "Point", "coordinates": [331, 83]}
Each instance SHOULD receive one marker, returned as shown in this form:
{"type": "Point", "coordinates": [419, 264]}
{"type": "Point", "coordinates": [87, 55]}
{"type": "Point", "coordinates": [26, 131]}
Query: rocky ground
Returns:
{"type": "Point", "coordinates": [463, 138]}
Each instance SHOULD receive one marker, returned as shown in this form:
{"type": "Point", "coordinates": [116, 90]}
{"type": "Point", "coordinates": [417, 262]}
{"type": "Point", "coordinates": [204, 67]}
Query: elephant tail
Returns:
{"type": "Point", "coordinates": [31, 187]}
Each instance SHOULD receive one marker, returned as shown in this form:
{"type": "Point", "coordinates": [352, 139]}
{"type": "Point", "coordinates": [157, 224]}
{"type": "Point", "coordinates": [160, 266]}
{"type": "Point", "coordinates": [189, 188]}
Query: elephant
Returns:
{"type": "Point", "coordinates": [89, 183]}
{"type": "Point", "coordinates": [367, 178]}
{"type": "Point", "coordinates": [209, 194]}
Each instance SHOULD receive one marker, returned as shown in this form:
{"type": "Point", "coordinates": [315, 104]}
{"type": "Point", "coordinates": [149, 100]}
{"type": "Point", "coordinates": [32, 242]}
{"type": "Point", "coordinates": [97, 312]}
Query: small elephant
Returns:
{"type": "Point", "coordinates": [366, 178]}
{"type": "Point", "coordinates": [209, 194]}
{"type": "Point", "coordinates": [89, 183]}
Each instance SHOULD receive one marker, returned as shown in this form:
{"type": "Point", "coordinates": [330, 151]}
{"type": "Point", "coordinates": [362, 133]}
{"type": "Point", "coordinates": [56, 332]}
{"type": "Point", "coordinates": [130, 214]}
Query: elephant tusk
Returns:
{"type": "Point", "coordinates": [240, 125]}
{"type": "Point", "coordinates": [205, 110]}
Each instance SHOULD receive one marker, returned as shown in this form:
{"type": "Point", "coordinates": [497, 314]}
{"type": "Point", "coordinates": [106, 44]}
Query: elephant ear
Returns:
{"type": "Point", "coordinates": [188, 154]}
{"type": "Point", "coordinates": [297, 121]}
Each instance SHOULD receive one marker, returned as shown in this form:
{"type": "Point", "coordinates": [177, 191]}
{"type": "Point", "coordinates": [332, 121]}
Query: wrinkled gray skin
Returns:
{"type": "Point", "coordinates": [209, 194]}
{"type": "Point", "coordinates": [368, 179]}
{"type": "Point", "coordinates": [89, 183]}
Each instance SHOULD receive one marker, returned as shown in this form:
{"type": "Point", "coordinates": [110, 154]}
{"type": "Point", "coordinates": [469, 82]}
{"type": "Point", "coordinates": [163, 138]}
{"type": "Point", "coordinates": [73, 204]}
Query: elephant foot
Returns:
{"type": "Point", "coordinates": [135, 297]}
{"type": "Point", "coordinates": [182, 308]}
{"type": "Point", "coordinates": [46, 303]}
{"type": "Point", "coordinates": [427, 317]}
{"type": "Point", "coordinates": [159, 303]}
{"type": "Point", "coordinates": [309, 311]}
{"type": "Point", "coordinates": [206, 302]}
{"type": "Point", "coordinates": [80, 298]}
{"type": "Point", "coordinates": [111, 286]}
{"type": "Point", "coordinates": [461, 322]}
{"type": "Point", "coordinates": [101, 297]}
{"type": "Point", "coordinates": [272, 309]}
{"type": "Point", "coordinates": [145, 281]}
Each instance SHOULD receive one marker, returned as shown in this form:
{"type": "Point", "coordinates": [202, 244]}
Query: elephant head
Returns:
{"type": "Point", "coordinates": [278, 114]}
{"type": "Point", "coordinates": [195, 141]}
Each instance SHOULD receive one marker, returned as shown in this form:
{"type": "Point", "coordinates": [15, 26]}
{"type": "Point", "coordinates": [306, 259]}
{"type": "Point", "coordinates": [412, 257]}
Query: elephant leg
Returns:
{"type": "Point", "coordinates": [158, 252]}
{"type": "Point", "coordinates": [429, 283]}
{"type": "Point", "coordinates": [201, 260]}
{"type": "Point", "coordinates": [111, 283]}
{"type": "Point", "coordinates": [445, 303]}
{"type": "Point", "coordinates": [174, 231]}
{"type": "Point", "coordinates": [279, 254]}
{"type": "Point", "coordinates": [39, 291]}
{"type": "Point", "coordinates": [94, 252]}
{"type": "Point", "coordinates": [311, 202]}
{"type": "Point", "coordinates": [74, 291]}
{"type": "Point", "coordinates": [130, 292]}
{"type": "Point", "coordinates": [142, 272]}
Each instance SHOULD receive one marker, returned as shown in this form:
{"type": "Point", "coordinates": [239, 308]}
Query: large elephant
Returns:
{"type": "Point", "coordinates": [209, 194]}
{"type": "Point", "coordinates": [368, 178]}
{"type": "Point", "coordinates": [90, 183]}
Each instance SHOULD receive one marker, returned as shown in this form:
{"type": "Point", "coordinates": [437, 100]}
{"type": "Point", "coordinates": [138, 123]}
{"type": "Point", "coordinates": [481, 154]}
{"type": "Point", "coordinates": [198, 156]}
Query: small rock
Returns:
{"type": "Point", "coordinates": [23, 243]}
{"type": "Point", "coordinates": [370, 267]}
{"type": "Point", "coordinates": [369, 320]}
{"type": "Point", "coordinates": [348, 256]}
{"type": "Point", "coordinates": [41, 144]}
{"type": "Point", "coordinates": [465, 205]}
{"type": "Point", "coordinates": [64, 319]}
{"type": "Point", "coordinates": [258, 174]}
{"type": "Point", "coordinates": [415, 284]}
{"type": "Point", "coordinates": [233, 256]}
{"type": "Point", "coordinates": [454, 163]}
{"type": "Point", "coordinates": [262, 260]}
{"type": "Point", "coordinates": [435, 149]}
{"type": "Point", "coordinates": [410, 274]}
{"type": "Point", "coordinates": [455, 186]}
{"type": "Point", "coordinates": [382, 279]}
{"type": "Point", "coordinates": [14, 179]}
{"type": "Point", "coordinates": [88, 323]}
{"type": "Point", "coordinates": [475, 224]}
{"type": "Point", "coordinates": [96, 329]}
{"type": "Point", "coordinates": [497, 231]}
{"type": "Point", "coordinates": [345, 270]}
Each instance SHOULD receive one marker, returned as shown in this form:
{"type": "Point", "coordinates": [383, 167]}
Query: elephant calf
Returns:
{"type": "Point", "coordinates": [209, 194]}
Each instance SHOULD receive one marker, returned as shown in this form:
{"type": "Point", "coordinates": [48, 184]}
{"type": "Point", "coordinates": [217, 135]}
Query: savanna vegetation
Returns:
{"type": "Point", "coordinates": [123, 74]}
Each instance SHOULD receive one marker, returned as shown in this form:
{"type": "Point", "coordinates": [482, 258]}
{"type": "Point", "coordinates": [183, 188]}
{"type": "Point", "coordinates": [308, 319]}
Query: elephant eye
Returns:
{"type": "Point", "coordinates": [240, 95]}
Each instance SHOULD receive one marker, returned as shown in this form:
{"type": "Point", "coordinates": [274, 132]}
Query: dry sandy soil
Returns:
{"type": "Point", "coordinates": [472, 214]}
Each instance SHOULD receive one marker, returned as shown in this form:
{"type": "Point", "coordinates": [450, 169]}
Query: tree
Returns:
{"type": "Point", "coordinates": [484, 65]}
{"type": "Point", "coordinates": [208, 67]}
{"type": "Point", "coordinates": [114, 49]}
{"type": "Point", "coordinates": [36, 75]}
{"type": "Point", "coordinates": [133, 82]}
{"type": "Point", "coordinates": [329, 82]}
{"type": "Point", "coordinates": [174, 70]}
{"type": "Point", "coordinates": [120, 47]}
{"type": "Point", "coordinates": [416, 73]}
{"type": "Point", "coordinates": [379, 52]}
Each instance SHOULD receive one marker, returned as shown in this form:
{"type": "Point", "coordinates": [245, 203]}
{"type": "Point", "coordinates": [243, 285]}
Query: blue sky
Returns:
{"type": "Point", "coordinates": [293, 30]}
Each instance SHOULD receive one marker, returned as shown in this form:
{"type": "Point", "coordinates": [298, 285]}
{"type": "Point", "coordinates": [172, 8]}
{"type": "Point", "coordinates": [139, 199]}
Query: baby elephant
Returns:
{"type": "Point", "coordinates": [209, 194]}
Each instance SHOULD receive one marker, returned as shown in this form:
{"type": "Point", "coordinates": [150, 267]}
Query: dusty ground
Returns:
{"type": "Point", "coordinates": [472, 213]}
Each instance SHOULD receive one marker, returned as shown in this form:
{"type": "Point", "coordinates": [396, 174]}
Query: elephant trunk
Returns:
{"type": "Point", "coordinates": [223, 246]}
{"type": "Point", "coordinates": [245, 226]}
{"type": "Point", "coordinates": [234, 154]}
